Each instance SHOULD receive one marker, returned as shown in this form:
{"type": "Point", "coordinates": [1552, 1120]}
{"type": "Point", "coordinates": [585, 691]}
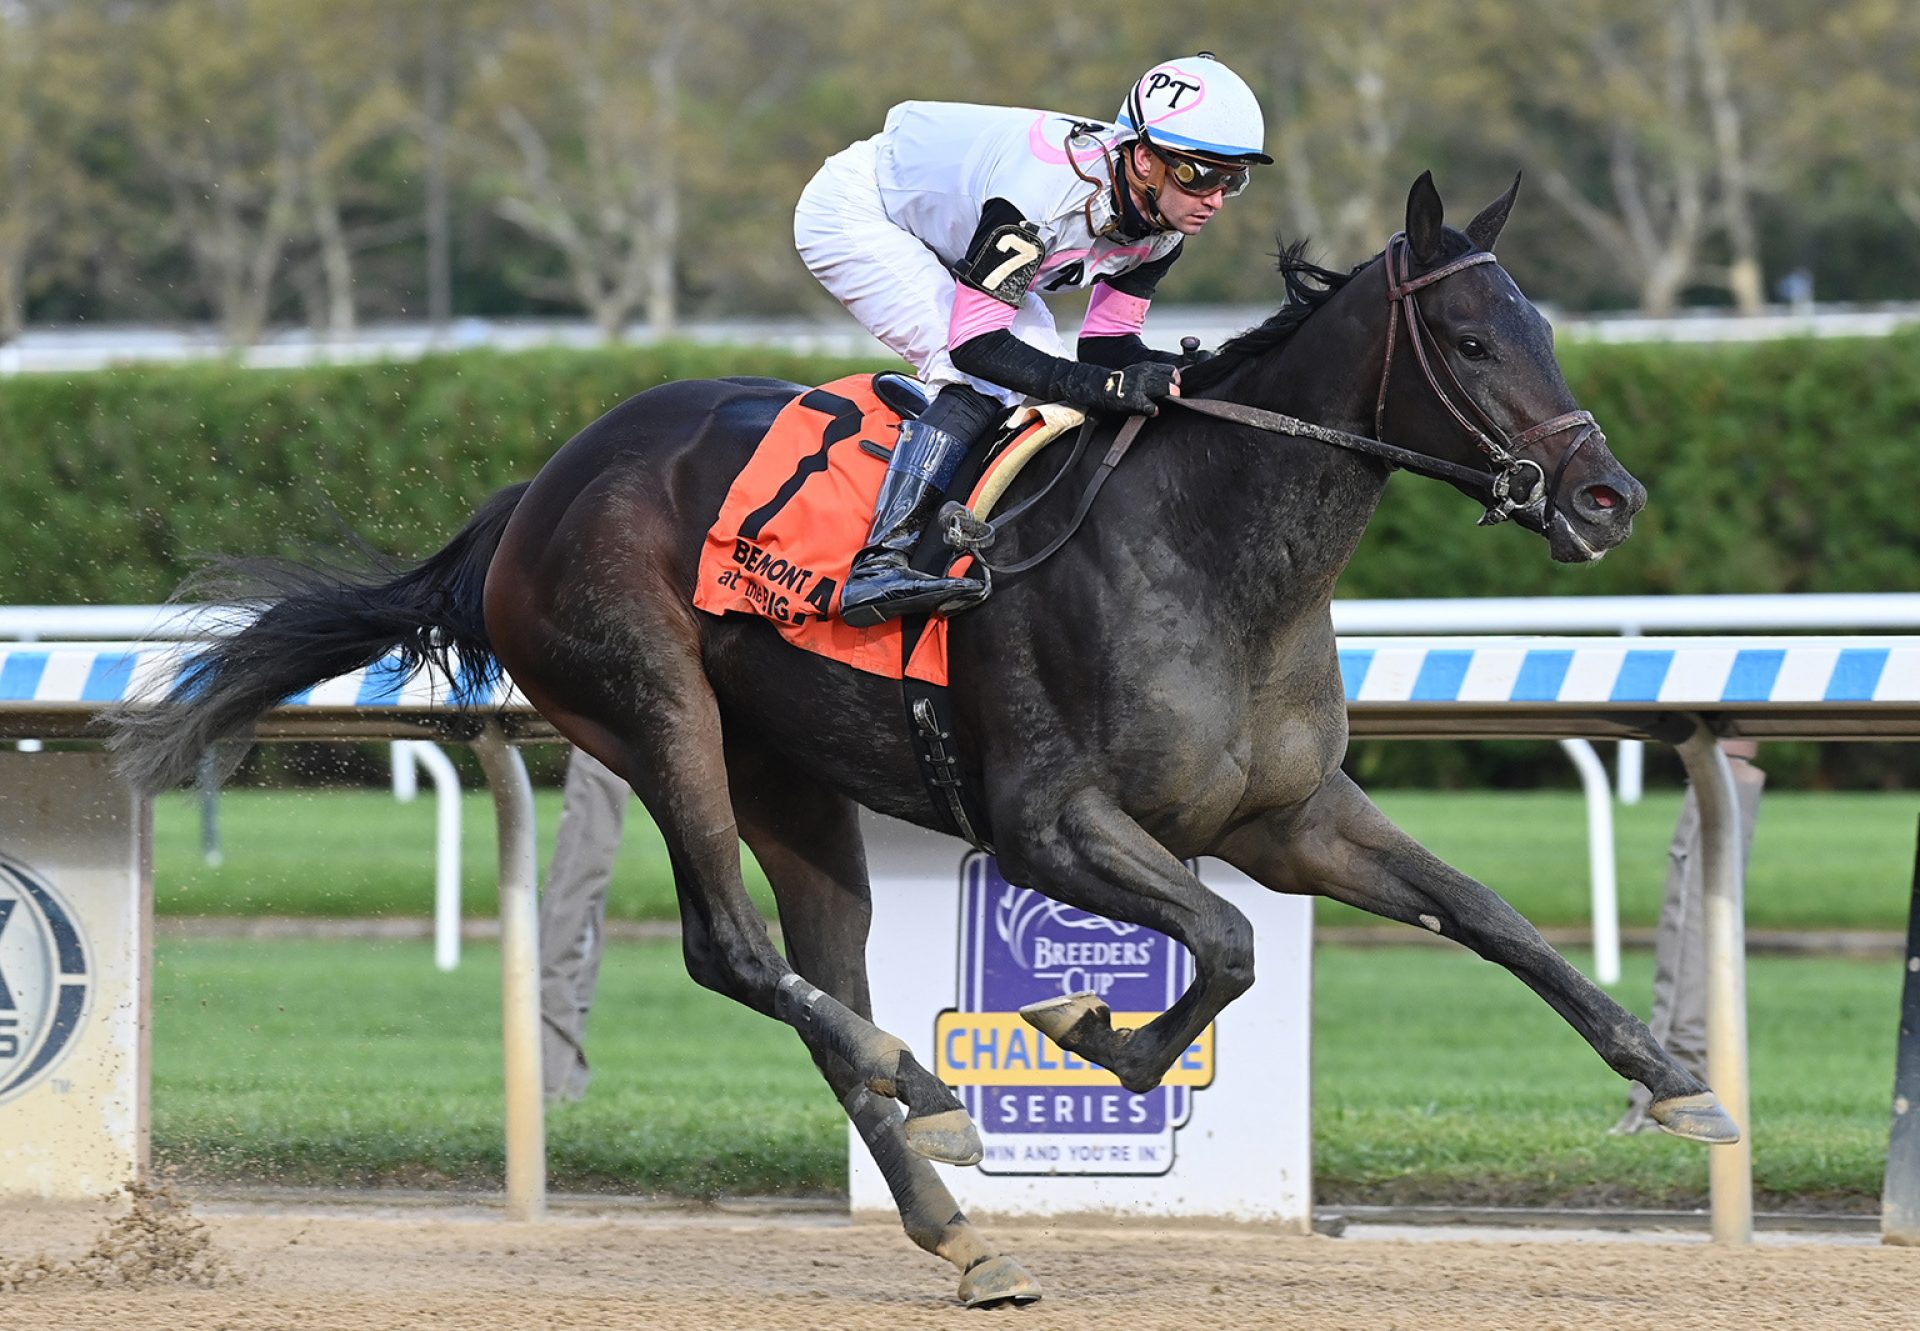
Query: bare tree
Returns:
{"type": "Point", "coordinates": [584, 155]}
{"type": "Point", "coordinates": [342, 96]}
{"type": "Point", "coordinates": [1713, 25]}
{"type": "Point", "coordinates": [38, 177]}
{"type": "Point", "coordinates": [1598, 101]}
{"type": "Point", "coordinates": [1862, 112]}
{"type": "Point", "coordinates": [1345, 99]}
{"type": "Point", "coordinates": [436, 96]}
{"type": "Point", "coordinates": [219, 140]}
{"type": "Point", "coordinates": [21, 214]}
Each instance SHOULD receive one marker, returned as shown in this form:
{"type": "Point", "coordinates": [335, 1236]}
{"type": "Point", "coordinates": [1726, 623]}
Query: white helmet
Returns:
{"type": "Point", "coordinates": [1197, 108]}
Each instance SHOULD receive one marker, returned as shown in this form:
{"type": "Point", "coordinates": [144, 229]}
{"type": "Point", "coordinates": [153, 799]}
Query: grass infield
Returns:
{"type": "Point", "coordinates": [1820, 861]}
{"type": "Point", "coordinates": [1437, 1077]}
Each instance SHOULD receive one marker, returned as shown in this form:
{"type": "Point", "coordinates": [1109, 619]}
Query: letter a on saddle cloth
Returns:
{"type": "Point", "coordinates": [796, 516]}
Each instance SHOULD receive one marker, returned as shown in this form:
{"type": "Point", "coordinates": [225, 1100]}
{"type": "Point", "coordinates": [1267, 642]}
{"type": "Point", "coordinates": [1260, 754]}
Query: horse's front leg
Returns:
{"type": "Point", "coordinates": [1088, 853]}
{"type": "Point", "coordinates": [1339, 845]}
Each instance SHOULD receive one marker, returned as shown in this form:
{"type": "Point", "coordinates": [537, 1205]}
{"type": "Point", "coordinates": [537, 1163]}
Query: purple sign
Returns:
{"type": "Point", "coordinates": [1040, 1109]}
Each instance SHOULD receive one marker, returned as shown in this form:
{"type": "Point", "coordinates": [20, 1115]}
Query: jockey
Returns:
{"type": "Point", "coordinates": [941, 234]}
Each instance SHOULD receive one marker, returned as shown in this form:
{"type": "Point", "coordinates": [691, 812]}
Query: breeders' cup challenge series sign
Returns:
{"type": "Point", "coordinates": [76, 947]}
{"type": "Point", "coordinates": [43, 977]}
{"type": "Point", "coordinates": [956, 951]}
{"type": "Point", "coordinates": [1040, 1109]}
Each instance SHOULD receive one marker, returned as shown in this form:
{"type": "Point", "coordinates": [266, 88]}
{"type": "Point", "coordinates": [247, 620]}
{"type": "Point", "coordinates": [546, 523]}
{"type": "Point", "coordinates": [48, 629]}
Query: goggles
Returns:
{"type": "Point", "coordinates": [1193, 176]}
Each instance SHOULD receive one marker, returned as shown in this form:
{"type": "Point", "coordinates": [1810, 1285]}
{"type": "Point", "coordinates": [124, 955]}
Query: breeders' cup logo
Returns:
{"type": "Point", "coordinates": [43, 977]}
{"type": "Point", "coordinates": [1041, 1110]}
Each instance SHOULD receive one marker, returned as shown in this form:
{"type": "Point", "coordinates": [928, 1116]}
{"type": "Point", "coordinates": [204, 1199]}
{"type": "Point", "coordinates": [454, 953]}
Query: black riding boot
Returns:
{"type": "Point", "coordinates": [882, 585]}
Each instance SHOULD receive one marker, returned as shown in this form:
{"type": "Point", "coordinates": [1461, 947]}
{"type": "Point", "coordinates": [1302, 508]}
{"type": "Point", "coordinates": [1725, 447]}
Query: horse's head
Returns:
{"type": "Point", "coordinates": [1470, 377]}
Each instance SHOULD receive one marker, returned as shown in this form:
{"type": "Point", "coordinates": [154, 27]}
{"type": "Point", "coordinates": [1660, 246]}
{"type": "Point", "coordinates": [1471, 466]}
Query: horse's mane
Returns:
{"type": "Point", "coordinates": [1309, 286]}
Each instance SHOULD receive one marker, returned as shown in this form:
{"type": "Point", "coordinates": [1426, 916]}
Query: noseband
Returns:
{"type": "Point", "coordinates": [1514, 493]}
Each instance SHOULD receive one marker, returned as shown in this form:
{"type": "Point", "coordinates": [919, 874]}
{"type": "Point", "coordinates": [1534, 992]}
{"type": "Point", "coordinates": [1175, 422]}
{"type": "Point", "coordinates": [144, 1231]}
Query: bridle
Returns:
{"type": "Point", "coordinates": [1512, 494]}
{"type": "Point", "coordinates": [1513, 487]}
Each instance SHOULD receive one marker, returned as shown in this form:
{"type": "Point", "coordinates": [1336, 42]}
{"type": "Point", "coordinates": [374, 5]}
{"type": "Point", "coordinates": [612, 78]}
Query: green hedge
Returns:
{"type": "Point", "coordinates": [118, 481]}
{"type": "Point", "coordinates": [1774, 467]}
{"type": "Point", "coordinates": [1771, 467]}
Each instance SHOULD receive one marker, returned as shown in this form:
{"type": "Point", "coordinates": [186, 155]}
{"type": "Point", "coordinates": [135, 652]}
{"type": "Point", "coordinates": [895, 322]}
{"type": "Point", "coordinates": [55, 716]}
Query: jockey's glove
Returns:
{"type": "Point", "coordinates": [1137, 390]}
{"type": "Point", "coordinates": [1001, 358]}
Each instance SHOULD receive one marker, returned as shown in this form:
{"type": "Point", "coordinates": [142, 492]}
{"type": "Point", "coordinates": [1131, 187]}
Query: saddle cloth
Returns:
{"type": "Point", "coordinates": [800, 509]}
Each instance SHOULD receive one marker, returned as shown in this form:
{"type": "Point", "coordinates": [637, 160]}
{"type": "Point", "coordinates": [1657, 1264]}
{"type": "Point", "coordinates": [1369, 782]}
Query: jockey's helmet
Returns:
{"type": "Point", "coordinates": [1197, 111]}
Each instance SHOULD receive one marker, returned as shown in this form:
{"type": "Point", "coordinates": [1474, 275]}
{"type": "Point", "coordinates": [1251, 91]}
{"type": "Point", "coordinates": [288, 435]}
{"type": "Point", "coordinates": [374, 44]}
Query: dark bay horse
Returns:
{"type": "Point", "coordinates": [1164, 687]}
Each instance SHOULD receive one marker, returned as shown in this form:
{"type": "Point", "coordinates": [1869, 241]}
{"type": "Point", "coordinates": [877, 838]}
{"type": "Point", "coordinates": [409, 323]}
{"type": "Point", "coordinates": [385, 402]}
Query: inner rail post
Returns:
{"type": "Point", "coordinates": [519, 973]}
{"type": "Point", "coordinates": [1729, 1168]}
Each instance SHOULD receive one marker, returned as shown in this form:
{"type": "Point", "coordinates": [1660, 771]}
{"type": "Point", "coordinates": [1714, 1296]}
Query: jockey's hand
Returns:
{"type": "Point", "coordinates": [1138, 390]}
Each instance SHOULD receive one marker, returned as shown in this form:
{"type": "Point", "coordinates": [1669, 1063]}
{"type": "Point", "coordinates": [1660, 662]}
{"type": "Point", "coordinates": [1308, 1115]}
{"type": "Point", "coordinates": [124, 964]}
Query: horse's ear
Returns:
{"type": "Point", "coordinates": [1485, 229]}
{"type": "Point", "coordinates": [1424, 215]}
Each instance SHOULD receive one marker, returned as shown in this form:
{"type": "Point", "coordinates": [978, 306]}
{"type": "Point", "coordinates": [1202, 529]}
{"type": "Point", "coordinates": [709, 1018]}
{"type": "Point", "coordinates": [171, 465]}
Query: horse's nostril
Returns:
{"type": "Point", "coordinates": [1603, 496]}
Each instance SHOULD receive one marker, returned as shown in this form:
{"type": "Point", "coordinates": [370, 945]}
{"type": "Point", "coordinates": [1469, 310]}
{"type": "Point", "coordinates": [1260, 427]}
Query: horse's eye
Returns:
{"type": "Point", "coordinates": [1473, 348]}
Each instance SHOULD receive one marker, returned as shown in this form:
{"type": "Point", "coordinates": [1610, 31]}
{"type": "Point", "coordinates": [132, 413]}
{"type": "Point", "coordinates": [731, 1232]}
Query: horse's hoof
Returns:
{"type": "Point", "coordinates": [1068, 1020]}
{"type": "Point", "coordinates": [1698, 1118]}
{"type": "Point", "coordinates": [948, 1137]}
{"type": "Point", "coordinates": [997, 1281]}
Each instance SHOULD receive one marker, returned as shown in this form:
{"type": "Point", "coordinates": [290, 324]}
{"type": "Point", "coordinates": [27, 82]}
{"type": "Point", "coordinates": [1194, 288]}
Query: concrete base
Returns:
{"type": "Point", "coordinates": [76, 951]}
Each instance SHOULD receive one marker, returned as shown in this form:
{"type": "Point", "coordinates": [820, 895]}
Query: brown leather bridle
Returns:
{"type": "Point", "coordinates": [1513, 495]}
{"type": "Point", "coordinates": [1509, 490]}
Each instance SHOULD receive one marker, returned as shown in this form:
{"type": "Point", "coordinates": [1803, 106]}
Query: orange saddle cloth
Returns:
{"type": "Point", "coordinates": [793, 521]}
{"type": "Point", "coordinates": [797, 514]}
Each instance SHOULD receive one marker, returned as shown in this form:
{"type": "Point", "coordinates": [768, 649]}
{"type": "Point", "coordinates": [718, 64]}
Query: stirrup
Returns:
{"type": "Point", "coordinates": [964, 532]}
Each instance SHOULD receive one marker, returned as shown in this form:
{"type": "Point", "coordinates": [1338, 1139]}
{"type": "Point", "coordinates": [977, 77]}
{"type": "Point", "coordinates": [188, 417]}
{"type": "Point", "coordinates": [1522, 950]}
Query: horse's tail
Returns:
{"type": "Point", "coordinates": [320, 621]}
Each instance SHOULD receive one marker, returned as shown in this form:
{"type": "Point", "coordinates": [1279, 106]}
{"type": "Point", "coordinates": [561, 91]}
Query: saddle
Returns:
{"type": "Point", "coordinates": [799, 511]}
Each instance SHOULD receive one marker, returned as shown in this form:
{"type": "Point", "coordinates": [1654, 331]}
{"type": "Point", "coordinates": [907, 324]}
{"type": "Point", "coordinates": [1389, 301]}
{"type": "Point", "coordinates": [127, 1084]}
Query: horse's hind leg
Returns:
{"type": "Point", "coordinates": [643, 706]}
{"type": "Point", "coordinates": [807, 839]}
{"type": "Point", "coordinates": [1339, 845]}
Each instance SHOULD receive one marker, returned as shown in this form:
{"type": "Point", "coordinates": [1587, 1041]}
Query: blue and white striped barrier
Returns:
{"type": "Point", "coordinates": [101, 674]}
{"type": "Point", "coordinates": [1676, 673]}
{"type": "Point", "coordinates": [1662, 673]}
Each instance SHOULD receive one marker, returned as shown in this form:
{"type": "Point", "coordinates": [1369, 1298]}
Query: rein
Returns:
{"type": "Point", "coordinates": [1511, 492]}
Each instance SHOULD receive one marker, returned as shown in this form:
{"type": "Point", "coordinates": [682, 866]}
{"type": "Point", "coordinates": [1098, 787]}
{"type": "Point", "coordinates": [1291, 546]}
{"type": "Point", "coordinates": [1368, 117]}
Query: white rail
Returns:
{"type": "Point", "coordinates": [1623, 615]}
{"type": "Point", "coordinates": [148, 623]}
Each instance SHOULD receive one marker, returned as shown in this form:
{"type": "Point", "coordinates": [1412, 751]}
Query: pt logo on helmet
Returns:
{"type": "Point", "coordinates": [43, 977]}
{"type": "Point", "coordinates": [1160, 82]}
{"type": "Point", "coordinates": [1040, 1109]}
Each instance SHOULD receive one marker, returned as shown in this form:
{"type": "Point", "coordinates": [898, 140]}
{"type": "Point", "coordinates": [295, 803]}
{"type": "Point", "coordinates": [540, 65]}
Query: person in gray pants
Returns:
{"type": "Point", "coordinates": [573, 916]}
{"type": "Point", "coordinates": [1679, 1020]}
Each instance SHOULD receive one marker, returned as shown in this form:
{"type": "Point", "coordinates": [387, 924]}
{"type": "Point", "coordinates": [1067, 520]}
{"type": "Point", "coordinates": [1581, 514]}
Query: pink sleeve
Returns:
{"type": "Point", "coordinates": [1113, 313]}
{"type": "Point", "coordinates": [975, 312]}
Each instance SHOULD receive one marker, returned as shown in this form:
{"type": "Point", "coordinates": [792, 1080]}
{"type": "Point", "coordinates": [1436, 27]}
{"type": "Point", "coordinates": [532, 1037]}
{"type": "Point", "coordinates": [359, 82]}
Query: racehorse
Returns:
{"type": "Point", "coordinates": [1165, 686]}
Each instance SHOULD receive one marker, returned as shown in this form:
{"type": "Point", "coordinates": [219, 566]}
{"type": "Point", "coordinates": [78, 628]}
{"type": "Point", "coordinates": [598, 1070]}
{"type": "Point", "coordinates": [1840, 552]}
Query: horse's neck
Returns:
{"type": "Point", "coordinates": [1298, 507]}
{"type": "Point", "coordinates": [1329, 371]}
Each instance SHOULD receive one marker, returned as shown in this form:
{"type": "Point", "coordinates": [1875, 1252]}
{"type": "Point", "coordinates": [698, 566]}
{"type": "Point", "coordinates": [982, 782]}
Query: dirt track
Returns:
{"type": "Point", "coordinates": [319, 1269]}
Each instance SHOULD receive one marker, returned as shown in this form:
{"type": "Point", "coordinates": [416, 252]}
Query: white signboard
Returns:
{"type": "Point", "coordinates": [76, 931]}
{"type": "Point", "coordinates": [956, 951]}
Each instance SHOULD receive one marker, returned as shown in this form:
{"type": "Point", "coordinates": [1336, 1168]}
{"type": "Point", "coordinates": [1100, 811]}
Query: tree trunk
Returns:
{"type": "Point", "coordinates": [435, 97]}
{"type": "Point", "coordinates": [1744, 279]}
{"type": "Point", "coordinates": [13, 313]}
{"type": "Point", "coordinates": [336, 259]}
{"type": "Point", "coordinates": [1662, 283]}
{"type": "Point", "coordinates": [663, 201]}
{"type": "Point", "coordinates": [1908, 197]}
{"type": "Point", "coordinates": [238, 265]}
{"type": "Point", "coordinates": [16, 228]}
